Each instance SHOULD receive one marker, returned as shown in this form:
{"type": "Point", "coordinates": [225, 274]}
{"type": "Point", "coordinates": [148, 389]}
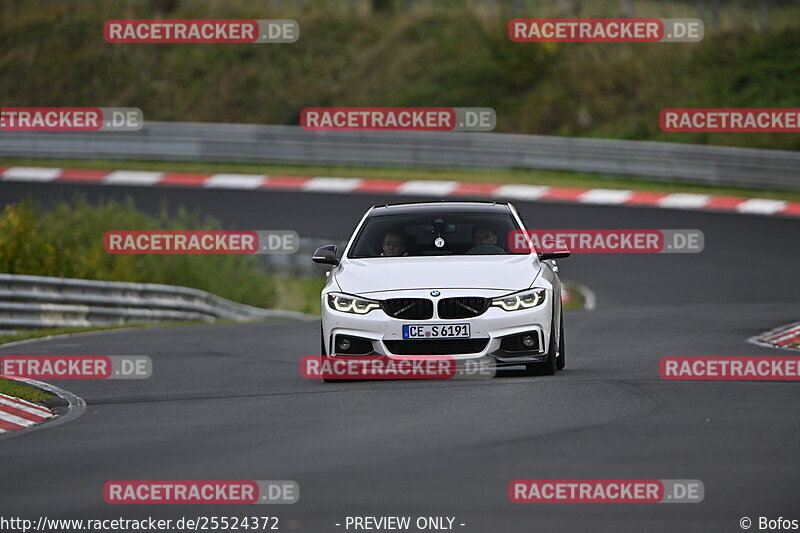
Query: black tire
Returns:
{"type": "Point", "coordinates": [561, 362]}
{"type": "Point", "coordinates": [549, 366]}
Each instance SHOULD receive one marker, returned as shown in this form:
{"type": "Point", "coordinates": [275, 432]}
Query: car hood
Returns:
{"type": "Point", "coordinates": [360, 276]}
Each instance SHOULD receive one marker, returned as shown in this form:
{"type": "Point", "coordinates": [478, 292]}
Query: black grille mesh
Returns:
{"type": "Point", "coordinates": [408, 308]}
{"type": "Point", "coordinates": [462, 307]}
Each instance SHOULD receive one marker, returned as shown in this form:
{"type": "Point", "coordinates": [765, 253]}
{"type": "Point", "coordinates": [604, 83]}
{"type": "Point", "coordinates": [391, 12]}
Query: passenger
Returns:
{"type": "Point", "coordinates": [483, 235]}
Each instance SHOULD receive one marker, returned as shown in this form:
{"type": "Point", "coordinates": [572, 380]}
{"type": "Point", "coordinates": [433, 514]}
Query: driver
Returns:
{"type": "Point", "coordinates": [394, 244]}
{"type": "Point", "coordinates": [483, 235]}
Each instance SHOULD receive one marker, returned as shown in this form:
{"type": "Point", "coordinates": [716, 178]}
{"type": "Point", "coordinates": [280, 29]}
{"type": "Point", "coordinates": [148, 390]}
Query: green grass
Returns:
{"type": "Point", "coordinates": [66, 240]}
{"type": "Point", "coordinates": [22, 390]}
{"type": "Point", "coordinates": [29, 334]}
{"type": "Point", "coordinates": [442, 53]}
{"type": "Point", "coordinates": [529, 177]}
{"type": "Point", "coordinates": [50, 332]}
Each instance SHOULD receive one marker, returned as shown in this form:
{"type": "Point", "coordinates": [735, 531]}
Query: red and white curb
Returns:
{"type": "Point", "coordinates": [20, 417]}
{"type": "Point", "coordinates": [787, 337]}
{"type": "Point", "coordinates": [704, 202]}
{"type": "Point", "coordinates": [20, 414]}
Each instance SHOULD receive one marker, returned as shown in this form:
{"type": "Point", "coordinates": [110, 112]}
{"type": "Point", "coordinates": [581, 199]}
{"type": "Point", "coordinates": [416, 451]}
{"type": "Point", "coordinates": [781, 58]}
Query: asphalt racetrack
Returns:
{"type": "Point", "coordinates": [228, 401]}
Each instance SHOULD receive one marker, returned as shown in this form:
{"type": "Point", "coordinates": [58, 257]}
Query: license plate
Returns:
{"type": "Point", "coordinates": [436, 331]}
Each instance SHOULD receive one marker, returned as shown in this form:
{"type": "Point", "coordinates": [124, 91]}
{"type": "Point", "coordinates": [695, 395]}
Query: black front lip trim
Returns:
{"type": "Point", "coordinates": [503, 358]}
{"type": "Point", "coordinates": [489, 359]}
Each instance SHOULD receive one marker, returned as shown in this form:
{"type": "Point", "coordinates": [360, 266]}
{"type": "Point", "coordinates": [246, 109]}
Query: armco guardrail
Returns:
{"type": "Point", "coordinates": [178, 141]}
{"type": "Point", "coordinates": [29, 302]}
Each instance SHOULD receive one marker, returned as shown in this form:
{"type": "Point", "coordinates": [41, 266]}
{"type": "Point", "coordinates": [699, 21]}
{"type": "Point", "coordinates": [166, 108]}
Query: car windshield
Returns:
{"type": "Point", "coordinates": [427, 233]}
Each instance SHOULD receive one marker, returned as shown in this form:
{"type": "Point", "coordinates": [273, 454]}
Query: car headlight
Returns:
{"type": "Point", "coordinates": [347, 303]}
{"type": "Point", "coordinates": [520, 300]}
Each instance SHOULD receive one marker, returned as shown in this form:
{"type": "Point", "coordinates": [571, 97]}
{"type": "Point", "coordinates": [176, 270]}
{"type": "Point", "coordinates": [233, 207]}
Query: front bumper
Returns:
{"type": "Point", "coordinates": [493, 326]}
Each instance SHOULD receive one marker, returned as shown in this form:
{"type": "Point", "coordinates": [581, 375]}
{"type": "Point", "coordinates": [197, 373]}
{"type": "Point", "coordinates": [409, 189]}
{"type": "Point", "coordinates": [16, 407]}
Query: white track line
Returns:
{"type": "Point", "coordinates": [133, 177]}
{"type": "Point", "coordinates": [428, 187]}
{"type": "Point", "coordinates": [325, 184]}
{"type": "Point", "coordinates": [521, 192]}
{"type": "Point", "coordinates": [31, 174]}
{"type": "Point", "coordinates": [235, 181]}
{"type": "Point", "coordinates": [605, 196]}
{"type": "Point", "coordinates": [685, 201]}
{"type": "Point", "coordinates": [761, 206]}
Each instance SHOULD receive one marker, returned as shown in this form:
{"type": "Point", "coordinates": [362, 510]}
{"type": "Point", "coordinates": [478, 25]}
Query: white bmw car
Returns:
{"type": "Point", "coordinates": [440, 278]}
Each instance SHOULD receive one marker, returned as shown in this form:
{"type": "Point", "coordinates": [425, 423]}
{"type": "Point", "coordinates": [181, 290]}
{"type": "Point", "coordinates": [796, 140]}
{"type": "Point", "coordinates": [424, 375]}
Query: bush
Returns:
{"type": "Point", "coordinates": [67, 241]}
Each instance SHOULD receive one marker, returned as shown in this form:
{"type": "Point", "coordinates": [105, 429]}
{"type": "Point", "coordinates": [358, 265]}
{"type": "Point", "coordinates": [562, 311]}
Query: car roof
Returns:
{"type": "Point", "coordinates": [412, 208]}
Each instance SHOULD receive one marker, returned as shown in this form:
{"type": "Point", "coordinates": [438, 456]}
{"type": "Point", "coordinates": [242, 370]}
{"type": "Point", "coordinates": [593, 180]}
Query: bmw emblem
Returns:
{"type": "Point", "coordinates": [435, 293]}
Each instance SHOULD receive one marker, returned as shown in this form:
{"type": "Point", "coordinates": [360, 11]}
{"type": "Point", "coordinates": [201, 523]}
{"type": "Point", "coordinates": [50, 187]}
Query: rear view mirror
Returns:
{"type": "Point", "coordinates": [440, 227]}
{"type": "Point", "coordinates": [326, 255]}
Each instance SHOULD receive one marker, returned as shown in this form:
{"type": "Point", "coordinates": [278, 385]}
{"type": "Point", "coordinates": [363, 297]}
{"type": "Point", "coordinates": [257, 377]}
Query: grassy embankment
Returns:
{"type": "Point", "coordinates": [66, 240]}
{"type": "Point", "coordinates": [442, 53]}
{"type": "Point", "coordinates": [23, 390]}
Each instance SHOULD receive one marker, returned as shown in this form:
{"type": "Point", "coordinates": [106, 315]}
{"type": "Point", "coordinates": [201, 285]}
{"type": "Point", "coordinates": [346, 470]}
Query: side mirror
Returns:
{"type": "Point", "coordinates": [544, 256]}
{"type": "Point", "coordinates": [555, 250]}
{"type": "Point", "coordinates": [326, 255]}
